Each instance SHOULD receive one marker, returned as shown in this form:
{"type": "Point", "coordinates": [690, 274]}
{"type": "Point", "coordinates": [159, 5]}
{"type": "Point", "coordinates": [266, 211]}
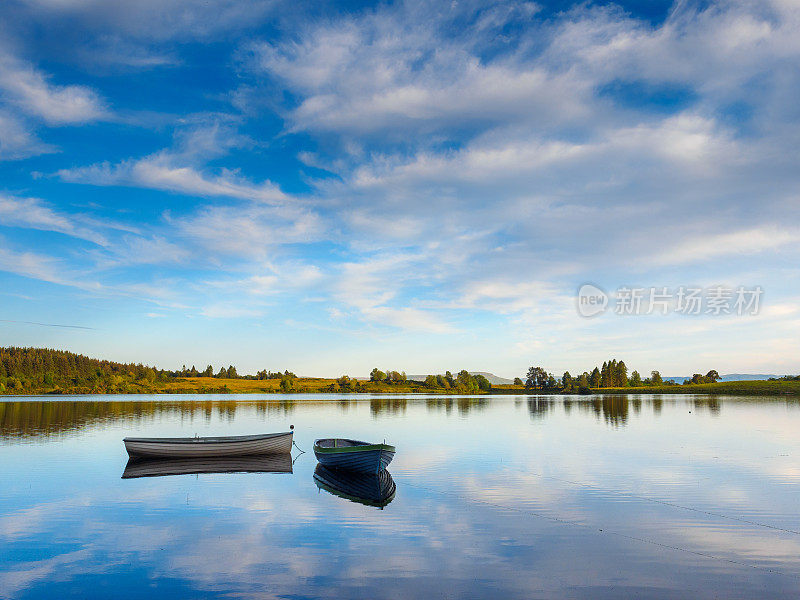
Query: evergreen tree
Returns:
{"type": "Point", "coordinates": [612, 373]}
{"type": "Point", "coordinates": [622, 374]}
{"type": "Point", "coordinates": [606, 375]}
{"type": "Point", "coordinates": [566, 380]}
{"type": "Point", "coordinates": [594, 378]}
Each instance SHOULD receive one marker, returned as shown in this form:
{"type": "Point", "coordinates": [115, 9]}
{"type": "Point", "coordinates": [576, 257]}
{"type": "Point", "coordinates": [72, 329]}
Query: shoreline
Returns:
{"type": "Point", "coordinates": [766, 389]}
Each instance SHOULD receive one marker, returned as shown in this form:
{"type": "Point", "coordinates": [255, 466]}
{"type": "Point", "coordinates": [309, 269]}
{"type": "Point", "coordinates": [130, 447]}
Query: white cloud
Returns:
{"type": "Point", "coordinates": [251, 230]}
{"type": "Point", "coordinates": [17, 140]}
{"type": "Point", "coordinates": [392, 71]}
{"type": "Point", "coordinates": [372, 288]}
{"type": "Point", "coordinates": [175, 169]}
{"type": "Point", "coordinates": [43, 267]}
{"type": "Point", "coordinates": [484, 160]}
{"type": "Point", "coordinates": [29, 91]}
{"type": "Point", "coordinates": [34, 214]}
{"type": "Point", "coordinates": [708, 246]}
{"type": "Point", "coordinates": [156, 19]}
{"type": "Point", "coordinates": [159, 172]}
{"type": "Point", "coordinates": [130, 250]}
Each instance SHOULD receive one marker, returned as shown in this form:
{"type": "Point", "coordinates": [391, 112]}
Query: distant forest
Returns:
{"type": "Point", "coordinates": [612, 374]}
{"type": "Point", "coordinates": [46, 371]}
{"type": "Point", "coordinates": [33, 370]}
{"type": "Point", "coordinates": [42, 370]}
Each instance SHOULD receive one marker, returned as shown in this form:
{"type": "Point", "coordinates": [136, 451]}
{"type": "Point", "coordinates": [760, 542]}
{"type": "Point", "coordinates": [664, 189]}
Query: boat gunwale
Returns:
{"type": "Point", "coordinates": [343, 449]}
{"type": "Point", "coordinates": [208, 440]}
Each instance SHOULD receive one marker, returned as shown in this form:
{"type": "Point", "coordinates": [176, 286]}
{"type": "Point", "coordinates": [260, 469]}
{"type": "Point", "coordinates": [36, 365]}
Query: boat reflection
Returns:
{"type": "Point", "coordinates": [160, 467]}
{"type": "Point", "coordinates": [373, 489]}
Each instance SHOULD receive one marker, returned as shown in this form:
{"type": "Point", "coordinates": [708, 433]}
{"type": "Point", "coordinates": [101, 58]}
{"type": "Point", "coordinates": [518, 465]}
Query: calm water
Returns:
{"type": "Point", "coordinates": [646, 497]}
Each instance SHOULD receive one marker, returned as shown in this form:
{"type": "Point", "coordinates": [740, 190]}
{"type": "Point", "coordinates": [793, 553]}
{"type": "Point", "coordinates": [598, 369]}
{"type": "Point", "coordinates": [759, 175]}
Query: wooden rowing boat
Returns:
{"type": "Point", "coordinates": [160, 467]}
{"type": "Point", "coordinates": [353, 455]}
{"type": "Point", "coordinates": [372, 489]}
{"type": "Point", "coordinates": [239, 445]}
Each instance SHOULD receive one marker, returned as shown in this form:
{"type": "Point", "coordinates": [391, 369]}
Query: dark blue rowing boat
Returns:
{"type": "Point", "coordinates": [353, 455]}
{"type": "Point", "coordinates": [371, 489]}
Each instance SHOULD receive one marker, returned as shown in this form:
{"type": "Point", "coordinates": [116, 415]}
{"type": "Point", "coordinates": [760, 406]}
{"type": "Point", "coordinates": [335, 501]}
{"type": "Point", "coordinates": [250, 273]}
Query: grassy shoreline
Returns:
{"type": "Point", "coordinates": [313, 385]}
{"type": "Point", "coordinates": [721, 388]}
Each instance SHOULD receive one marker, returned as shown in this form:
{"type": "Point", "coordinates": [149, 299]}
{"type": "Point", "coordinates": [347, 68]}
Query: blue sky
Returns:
{"type": "Point", "coordinates": [419, 186]}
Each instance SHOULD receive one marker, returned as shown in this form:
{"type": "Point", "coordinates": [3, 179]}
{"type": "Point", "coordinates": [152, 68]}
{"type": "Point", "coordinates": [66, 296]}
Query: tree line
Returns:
{"type": "Point", "coordinates": [612, 374]}
{"type": "Point", "coordinates": [27, 370]}
{"type": "Point", "coordinates": [462, 383]}
{"type": "Point", "coordinates": [229, 373]}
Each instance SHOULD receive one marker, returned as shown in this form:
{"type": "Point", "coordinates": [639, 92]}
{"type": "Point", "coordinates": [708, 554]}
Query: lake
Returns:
{"type": "Point", "coordinates": [496, 497]}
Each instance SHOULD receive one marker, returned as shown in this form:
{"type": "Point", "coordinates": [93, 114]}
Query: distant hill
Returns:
{"type": "Point", "coordinates": [729, 377]}
{"type": "Point", "coordinates": [493, 379]}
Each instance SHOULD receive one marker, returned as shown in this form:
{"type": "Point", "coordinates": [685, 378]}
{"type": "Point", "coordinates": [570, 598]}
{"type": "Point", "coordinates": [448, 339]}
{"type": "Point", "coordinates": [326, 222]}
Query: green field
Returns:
{"type": "Point", "coordinates": [722, 388]}
{"type": "Point", "coordinates": [312, 385]}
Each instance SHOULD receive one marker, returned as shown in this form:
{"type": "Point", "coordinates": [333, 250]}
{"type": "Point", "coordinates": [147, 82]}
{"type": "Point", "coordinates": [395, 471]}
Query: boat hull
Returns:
{"type": "Point", "coordinates": [372, 489]}
{"type": "Point", "coordinates": [368, 458]}
{"type": "Point", "coordinates": [161, 467]}
{"type": "Point", "coordinates": [244, 445]}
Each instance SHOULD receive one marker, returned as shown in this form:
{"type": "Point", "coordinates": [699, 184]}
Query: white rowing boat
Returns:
{"type": "Point", "coordinates": [238, 445]}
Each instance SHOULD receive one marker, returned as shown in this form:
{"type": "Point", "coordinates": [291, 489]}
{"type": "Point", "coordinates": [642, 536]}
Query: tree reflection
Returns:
{"type": "Point", "coordinates": [463, 405]}
{"type": "Point", "coordinates": [48, 418]}
{"type": "Point", "coordinates": [390, 406]}
{"type": "Point", "coordinates": [614, 409]}
{"type": "Point", "coordinates": [712, 404]}
{"type": "Point", "coordinates": [538, 408]}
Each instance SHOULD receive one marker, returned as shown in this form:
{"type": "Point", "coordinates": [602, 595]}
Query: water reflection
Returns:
{"type": "Point", "coordinates": [372, 489]}
{"type": "Point", "coordinates": [34, 418]}
{"type": "Point", "coordinates": [392, 406]}
{"type": "Point", "coordinates": [46, 418]}
{"type": "Point", "coordinates": [713, 405]}
{"type": "Point", "coordinates": [160, 467]}
{"type": "Point", "coordinates": [579, 497]}
{"type": "Point", "coordinates": [464, 405]}
{"type": "Point", "coordinates": [539, 407]}
{"type": "Point", "coordinates": [613, 408]}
